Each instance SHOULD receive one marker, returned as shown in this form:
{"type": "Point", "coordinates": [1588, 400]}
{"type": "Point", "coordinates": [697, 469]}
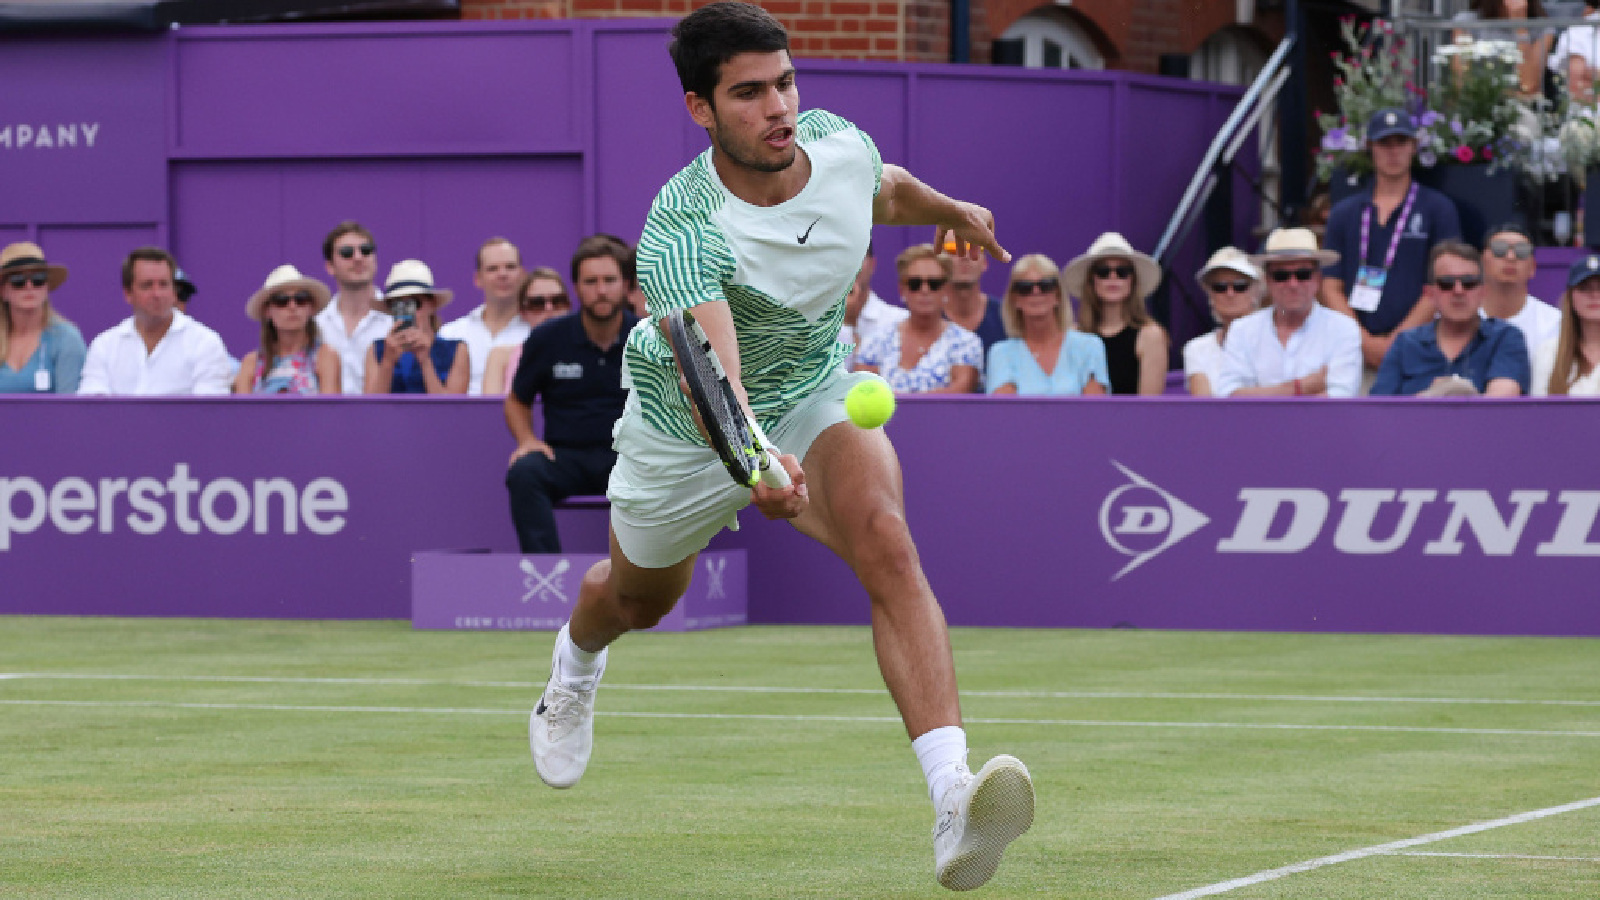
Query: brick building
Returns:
{"type": "Point", "coordinates": [1214, 36]}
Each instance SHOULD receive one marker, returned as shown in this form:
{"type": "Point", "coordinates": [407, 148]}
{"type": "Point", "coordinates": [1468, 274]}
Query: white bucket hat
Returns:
{"type": "Point", "coordinates": [1231, 258]}
{"type": "Point", "coordinates": [1293, 243]}
{"type": "Point", "coordinates": [285, 278]}
{"type": "Point", "coordinates": [411, 278]}
{"type": "Point", "coordinates": [1112, 246]}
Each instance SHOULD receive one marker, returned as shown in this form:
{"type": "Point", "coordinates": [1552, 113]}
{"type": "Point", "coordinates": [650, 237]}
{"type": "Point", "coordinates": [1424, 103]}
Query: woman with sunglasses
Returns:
{"type": "Point", "coordinates": [1112, 281]}
{"type": "Point", "coordinates": [413, 359]}
{"type": "Point", "coordinates": [40, 352]}
{"type": "Point", "coordinates": [542, 297]}
{"type": "Point", "coordinates": [292, 358]}
{"type": "Point", "coordinates": [1043, 356]}
{"type": "Point", "coordinates": [1233, 285]}
{"type": "Point", "coordinates": [1569, 364]}
{"type": "Point", "coordinates": [926, 353]}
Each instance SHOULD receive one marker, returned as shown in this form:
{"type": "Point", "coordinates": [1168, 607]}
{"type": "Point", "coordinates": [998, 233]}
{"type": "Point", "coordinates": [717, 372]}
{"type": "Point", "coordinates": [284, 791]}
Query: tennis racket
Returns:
{"type": "Point", "coordinates": [738, 440]}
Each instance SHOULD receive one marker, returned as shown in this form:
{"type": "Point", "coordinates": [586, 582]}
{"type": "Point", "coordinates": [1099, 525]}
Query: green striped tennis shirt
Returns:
{"type": "Point", "coordinates": [784, 271]}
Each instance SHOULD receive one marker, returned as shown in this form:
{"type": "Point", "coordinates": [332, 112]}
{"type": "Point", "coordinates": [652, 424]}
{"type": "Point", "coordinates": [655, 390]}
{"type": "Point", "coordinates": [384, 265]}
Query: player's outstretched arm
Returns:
{"type": "Point", "coordinates": [904, 200]}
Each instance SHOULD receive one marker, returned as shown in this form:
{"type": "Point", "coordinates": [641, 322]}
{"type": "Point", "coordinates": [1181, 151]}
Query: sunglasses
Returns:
{"type": "Point", "coordinates": [1283, 275]}
{"type": "Point", "coordinates": [37, 279]}
{"type": "Point", "coordinates": [1448, 283]}
{"type": "Point", "coordinates": [1223, 287]}
{"type": "Point", "coordinates": [933, 284]}
{"type": "Point", "coordinates": [1042, 286]}
{"type": "Point", "coordinates": [299, 298]}
{"type": "Point", "coordinates": [542, 302]}
{"type": "Point", "coordinates": [1104, 271]}
{"type": "Point", "coordinates": [1504, 248]}
{"type": "Point", "coordinates": [349, 252]}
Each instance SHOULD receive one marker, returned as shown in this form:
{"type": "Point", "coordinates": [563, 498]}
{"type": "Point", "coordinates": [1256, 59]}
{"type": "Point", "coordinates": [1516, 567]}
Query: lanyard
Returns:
{"type": "Point", "coordinates": [1399, 223]}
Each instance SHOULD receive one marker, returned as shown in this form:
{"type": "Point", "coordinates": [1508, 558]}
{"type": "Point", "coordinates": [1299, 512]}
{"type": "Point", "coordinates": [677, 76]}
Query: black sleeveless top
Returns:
{"type": "Point", "coordinates": [1122, 360]}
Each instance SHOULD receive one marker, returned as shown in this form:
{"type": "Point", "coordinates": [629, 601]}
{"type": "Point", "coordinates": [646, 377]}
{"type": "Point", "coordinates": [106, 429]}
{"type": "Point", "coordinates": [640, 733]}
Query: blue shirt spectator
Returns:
{"type": "Point", "coordinates": [1082, 357]}
{"type": "Point", "coordinates": [1415, 361]}
{"type": "Point", "coordinates": [53, 368]}
{"type": "Point", "coordinates": [40, 352]}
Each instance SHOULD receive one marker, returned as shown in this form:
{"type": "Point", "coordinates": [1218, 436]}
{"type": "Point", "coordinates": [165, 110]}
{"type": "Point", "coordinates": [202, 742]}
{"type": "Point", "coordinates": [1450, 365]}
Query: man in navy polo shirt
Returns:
{"type": "Point", "coordinates": [1460, 353]}
{"type": "Point", "coordinates": [1383, 236]}
{"type": "Point", "coordinates": [575, 363]}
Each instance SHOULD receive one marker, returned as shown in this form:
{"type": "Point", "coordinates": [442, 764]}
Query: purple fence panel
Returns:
{"type": "Point", "coordinates": [375, 90]}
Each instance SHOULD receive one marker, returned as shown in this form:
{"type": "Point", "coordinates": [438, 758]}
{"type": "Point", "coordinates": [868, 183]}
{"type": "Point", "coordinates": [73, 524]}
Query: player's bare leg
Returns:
{"type": "Point", "coordinates": [857, 509]}
{"type": "Point", "coordinates": [616, 597]}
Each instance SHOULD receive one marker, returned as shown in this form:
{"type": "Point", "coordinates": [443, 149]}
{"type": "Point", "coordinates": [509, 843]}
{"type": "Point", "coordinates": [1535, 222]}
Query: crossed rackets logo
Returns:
{"type": "Point", "coordinates": [545, 587]}
{"type": "Point", "coordinates": [715, 588]}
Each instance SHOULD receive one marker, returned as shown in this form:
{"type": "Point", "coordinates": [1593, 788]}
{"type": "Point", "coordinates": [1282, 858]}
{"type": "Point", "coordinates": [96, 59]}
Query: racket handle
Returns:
{"type": "Point", "coordinates": [773, 474]}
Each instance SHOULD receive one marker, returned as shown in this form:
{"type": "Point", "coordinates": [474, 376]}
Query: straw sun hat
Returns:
{"type": "Point", "coordinates": [25, 257]}
{"type": "Point", "coordinates": [287, 278]}
{"type": "Point", "coordinates": [1075, 275]}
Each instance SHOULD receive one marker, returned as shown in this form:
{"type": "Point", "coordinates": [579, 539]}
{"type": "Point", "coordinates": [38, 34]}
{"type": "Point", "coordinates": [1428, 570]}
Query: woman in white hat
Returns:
{"type": "Point", "coordinates": [1233, 285]}
{"type": "Point", "coordinates": [1111, 281]}
{"type": "Point", "coordinates": [40, 352]}
{"type": "Point", "coordinates": [413, 359]}
{"type": "Point", "coordinates": [1044, 356]}
{"type": "Point", "coordinates": [292, 358]}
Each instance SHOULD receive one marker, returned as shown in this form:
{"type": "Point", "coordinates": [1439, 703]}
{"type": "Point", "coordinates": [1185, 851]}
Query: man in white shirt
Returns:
{"type": "Point", "coordinates": [158, 350]}
{"type": "Point", "coordinates": [1295, 347]}
{"type": "Point", "coordinates": [865, 313]}
{"type": "Point", "coordinates": [349, 324]}
{"type": "Point", "coordinates": [1508, 266]}
{"type": "Point", "coordinates": [1577, 56]}
{"type": "Point", "coordinates": [496, 322]}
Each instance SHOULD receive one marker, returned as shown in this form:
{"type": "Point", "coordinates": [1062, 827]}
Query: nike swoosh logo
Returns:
{"type": "Point", "coordinates": [804, 237]}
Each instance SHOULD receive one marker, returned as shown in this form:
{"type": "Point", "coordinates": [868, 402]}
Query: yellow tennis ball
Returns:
{"type": "Point", "coordinates": [870, 403]}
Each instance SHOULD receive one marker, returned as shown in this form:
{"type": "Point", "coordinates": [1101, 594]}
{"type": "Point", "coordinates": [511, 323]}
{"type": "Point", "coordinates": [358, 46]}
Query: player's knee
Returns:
{"type": "Point", "coordinates": [884, 548]}
{"type": "Point", "coordinates": [640, 612]}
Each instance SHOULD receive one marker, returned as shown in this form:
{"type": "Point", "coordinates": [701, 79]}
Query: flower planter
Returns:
{"type": "Point", "coordinates": [1483, 200]}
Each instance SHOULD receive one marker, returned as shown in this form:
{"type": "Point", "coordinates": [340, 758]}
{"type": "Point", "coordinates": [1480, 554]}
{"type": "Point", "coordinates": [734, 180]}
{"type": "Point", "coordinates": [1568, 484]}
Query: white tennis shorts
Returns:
{"type": "Point", "coordinates": [669, 497]}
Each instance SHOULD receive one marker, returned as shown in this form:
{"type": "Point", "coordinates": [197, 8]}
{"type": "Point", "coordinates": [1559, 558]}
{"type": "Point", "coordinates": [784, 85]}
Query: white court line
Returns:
{"type": "Point", "coordinates": [759, 689]}
{"type": "Point", "coordinates": [1594, 859]}
{"type": "Point", "coordinates": [1378, 850]}
{"type": "Point", "coordinates": [779, 717]}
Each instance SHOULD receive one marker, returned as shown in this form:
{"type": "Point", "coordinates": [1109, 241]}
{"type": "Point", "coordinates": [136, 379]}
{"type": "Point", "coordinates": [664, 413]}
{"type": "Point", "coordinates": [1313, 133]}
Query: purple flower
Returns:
{"type": "Point", "coordinates": [1455, 125]}
{"type": "Point", "coordinates": [1334, 140]}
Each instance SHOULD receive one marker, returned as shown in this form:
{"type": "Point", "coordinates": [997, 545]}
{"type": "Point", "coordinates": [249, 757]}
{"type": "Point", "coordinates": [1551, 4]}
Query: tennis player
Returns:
{"type": "Point", "coordinates": [762, 235]}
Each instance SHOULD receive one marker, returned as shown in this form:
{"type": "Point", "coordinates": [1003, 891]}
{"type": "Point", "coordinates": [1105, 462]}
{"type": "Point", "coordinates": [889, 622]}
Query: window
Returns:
{"type": "Point", "coordinates": [1047, 39]}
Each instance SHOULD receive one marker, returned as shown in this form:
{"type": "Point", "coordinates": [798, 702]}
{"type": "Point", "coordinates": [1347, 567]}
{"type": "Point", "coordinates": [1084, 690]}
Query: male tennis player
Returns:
{"type": "Point", "coordinates": [762, 235]}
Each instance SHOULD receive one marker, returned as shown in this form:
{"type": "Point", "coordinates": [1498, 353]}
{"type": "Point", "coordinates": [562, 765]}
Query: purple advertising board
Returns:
{"type": "Point", "coordinates": [222, 143]}
{"type": "Point", "coordinates": [1358, 515]}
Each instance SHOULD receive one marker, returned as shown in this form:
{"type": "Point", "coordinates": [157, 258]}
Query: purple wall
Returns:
{"type": "Point", "coordinates": [240, 146]}
{"type": "Point", "coordinates": [1026, 512]}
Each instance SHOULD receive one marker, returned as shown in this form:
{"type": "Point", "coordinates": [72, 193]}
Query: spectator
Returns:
{"type": "Point", "coordinates": [1575, 351]}
{"type": "Point", "coordinates": [1508, 266]}
{"type": "Point", "coordinates": [425, 363]}
{"type": "Point", "coordinates": [183, 286]}
{"type": "Point", "coordinates": [969, 306]}
{"type": "Point", "coordinates": [354, 319]}
{"type": "Point", "coordinates": [497, 321]}
{"type": "Point", "coordinates": [1459, 352]}
{"type": "Point", "coordinates": [1383, 235]}
{"type": "Point", "coordinates": [292, 358]}
{"type": "Point", "coordinates": [636, 299]}
{"type": "Point", "coordinates": [157, 350]}
{"type": "Point", "coordinates": [1577, 56]}
{"type": "Point", "coordinates": [542, 296]}
{"type": "Point", "coordinates": [1296, 346]}
{"type": "Point", "coordinates": [1233, 285]}
{"type": "Point", "coordinates": [575, 364]}
{"type": "Point", "coordinates": [1112, 281]}
{"type": "Point", "coordinates": [926, 353]}
{"type": "Point", "coordinates": [1045, 354]}
{"type": "Point", "coordinates": [1535, 46]}
{"type": "Point", "coordinates": [40, 352]}
{"type": "Point", "coordinates": [865, 313]}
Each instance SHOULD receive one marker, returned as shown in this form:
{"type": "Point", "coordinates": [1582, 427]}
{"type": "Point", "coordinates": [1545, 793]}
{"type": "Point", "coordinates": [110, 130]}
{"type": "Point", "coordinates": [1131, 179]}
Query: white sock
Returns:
{"type": "Point", "coordinates": [574, 662]}
{"type": "Point", "coordinates": [943, 754]}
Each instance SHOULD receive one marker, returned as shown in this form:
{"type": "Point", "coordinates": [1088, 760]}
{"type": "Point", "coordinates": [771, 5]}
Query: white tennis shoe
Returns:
{"type": "Point", "coordinates": [978, 816]}
{"type": "Point", "coordinates": [561, 728]}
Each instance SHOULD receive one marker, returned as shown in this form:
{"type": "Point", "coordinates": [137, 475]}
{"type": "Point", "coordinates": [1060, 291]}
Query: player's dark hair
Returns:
{"type": "Point", "coordinates": [711, 35]}
{"type": "Point", "coordinates": [605, 245]}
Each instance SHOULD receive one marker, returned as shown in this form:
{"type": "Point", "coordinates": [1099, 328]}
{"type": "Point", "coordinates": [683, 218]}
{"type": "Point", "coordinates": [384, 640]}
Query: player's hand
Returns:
{"type": "Point", "coordinates": [533, 446]}
{"type": "Point", "coordinates": [783, 503]}
{"type": "Point", "coordinates": [972, 230]}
